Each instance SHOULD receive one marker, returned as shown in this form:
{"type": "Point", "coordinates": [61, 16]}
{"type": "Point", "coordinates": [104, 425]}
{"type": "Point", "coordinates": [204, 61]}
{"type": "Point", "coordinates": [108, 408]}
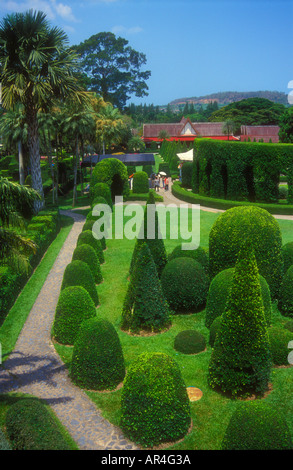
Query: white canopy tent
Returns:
{"type": "Point", "coordinates": [186, 156]}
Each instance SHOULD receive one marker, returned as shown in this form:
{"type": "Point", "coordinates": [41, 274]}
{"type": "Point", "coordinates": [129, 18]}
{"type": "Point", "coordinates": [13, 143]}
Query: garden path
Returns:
{"type": "Point", "coordinates": [35, 368]}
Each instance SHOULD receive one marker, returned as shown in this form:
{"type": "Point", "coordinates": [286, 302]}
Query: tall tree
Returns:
{"type": "Point", "coordinates": [114, 68]}
{"type": "Point", "coordinates": [109, 124]}
{"type": "Point", "coordinates": [286, 126]}
{"type": "Point", "coordinates": [36, 68]}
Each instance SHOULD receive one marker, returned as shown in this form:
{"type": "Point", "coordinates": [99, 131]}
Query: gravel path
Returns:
{"type": "Point", "coordinates": [35, 368]}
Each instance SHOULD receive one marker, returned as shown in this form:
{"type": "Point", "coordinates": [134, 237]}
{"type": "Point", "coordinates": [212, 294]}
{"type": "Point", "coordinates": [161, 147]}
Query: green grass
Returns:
{"type": "Point", "coordinates": [19, 312]}
{"type": "Point", "coordinates": [211, 414]}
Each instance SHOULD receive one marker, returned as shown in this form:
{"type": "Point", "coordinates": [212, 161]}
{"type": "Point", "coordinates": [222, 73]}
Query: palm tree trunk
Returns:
{"type": "Point", "coordinates": [21, 163]}
{"type": "Point", "coordinates": [35, 159]}
{"type": "Point", "coordinates": [75, 174]}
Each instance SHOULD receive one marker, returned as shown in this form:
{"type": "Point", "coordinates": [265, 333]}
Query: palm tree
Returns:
{"type": "Point", "coordinates": [36, 68]}
{"type": "Point", "coordinates": [47, 126]}
{"type": "Point", "coordinates": [14, 248]}
{"type": "Point", "coordinates": [109, 124]}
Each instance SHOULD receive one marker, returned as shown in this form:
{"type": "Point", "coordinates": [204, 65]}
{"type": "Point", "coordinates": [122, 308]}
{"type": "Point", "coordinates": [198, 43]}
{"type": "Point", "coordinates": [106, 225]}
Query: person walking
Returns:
{"type": "Point", "coordinates": [157, 183]}
{"type": "Point", "coordinates": [166, 183]}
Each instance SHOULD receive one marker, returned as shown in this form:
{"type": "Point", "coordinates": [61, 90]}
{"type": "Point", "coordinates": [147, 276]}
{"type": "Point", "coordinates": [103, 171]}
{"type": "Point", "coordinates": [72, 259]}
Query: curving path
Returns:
{"type": "Point", "coordinates": [35, 368]}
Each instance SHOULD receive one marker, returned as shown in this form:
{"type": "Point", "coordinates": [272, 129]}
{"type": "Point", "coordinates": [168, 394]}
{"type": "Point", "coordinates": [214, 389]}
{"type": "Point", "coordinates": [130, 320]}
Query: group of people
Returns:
{"type": "Point", "coordinates": [155, 182]}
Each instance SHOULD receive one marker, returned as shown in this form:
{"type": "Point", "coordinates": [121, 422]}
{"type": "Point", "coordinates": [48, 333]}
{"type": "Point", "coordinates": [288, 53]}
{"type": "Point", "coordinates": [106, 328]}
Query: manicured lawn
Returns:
{"type": "Point", "coordinates": [211, 413]}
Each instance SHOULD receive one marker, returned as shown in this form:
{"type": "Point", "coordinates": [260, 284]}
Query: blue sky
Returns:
{"type": "Point", "coordinates": [192, 47]}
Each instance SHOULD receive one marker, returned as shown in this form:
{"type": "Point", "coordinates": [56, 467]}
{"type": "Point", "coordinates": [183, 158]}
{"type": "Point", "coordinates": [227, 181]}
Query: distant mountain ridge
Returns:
{"type": "Point", "coordinates": [227, 97]}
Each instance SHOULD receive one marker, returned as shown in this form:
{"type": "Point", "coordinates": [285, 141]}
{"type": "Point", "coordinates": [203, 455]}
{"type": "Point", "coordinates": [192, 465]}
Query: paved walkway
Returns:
{"type": "Point", "coordinates": [35, 368]}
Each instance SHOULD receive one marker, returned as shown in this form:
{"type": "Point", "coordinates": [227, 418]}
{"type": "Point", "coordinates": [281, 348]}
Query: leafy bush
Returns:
{"type": "Point", "coordinates": [154, 403]}
{"type": "Point", "coordinates": [185, 285]}
{"type": "Point", "coordinates": [86, 253]}
{"type": "Point", "coordinates": [240, 362]}
{"type": "Point", "coordinates": [279, 339]}
{"type": "Point", "coordinates": [4, 444]}
{"type": "Point", "coordinates": [74, 306]}
{"type": "Point", "coordinates": [198, 254]}
{"type": "Point", "coordinates": [106, 171]}
{"type": "Point", "coordinates": [100, 190]}
{"type": "Point", "coordinates": [140, 182]}
{"type": "Point", "coordinates": [287, 250]}
{"type": "Point", "coordinates": [257, 426]}
{"type": "Point", "coordinates": [187, 174]}
{"type": "Point", "coordinates": [86, 238]}
{"type": "Point", "coordinates": [97, 359]}
{"type": "Point", "coordinates": [78, 273]}
{"type": "Point", "coordinates": [214, 329]}
{"type": "Point", "coordinates": [219, 291]}
{"type": "Point", "coordinates": [164, 167]}
{"type": "Point", "coordinates": [285, 304]}
{"type": "Point", "coordinates": [189, 342]}
{"type": "Point", "coordinates": [88, 225]}
{"type": "Point", "coordinates": [30, 426]}
{"type": "Point", "coordinates": [251, 224]}
{"type": "Point", "coordinates": [289, 325]}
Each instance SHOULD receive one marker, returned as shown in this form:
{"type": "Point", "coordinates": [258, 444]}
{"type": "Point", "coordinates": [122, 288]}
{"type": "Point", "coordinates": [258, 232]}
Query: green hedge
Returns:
{"type": "Point", "coordinates": [140, 182]}
{"type": "Point", "coordinates": [105, 171]}
{"type": "Point", "coordinates": [100, 190]}
{"type": "Point", "coordinates": [186, 173]}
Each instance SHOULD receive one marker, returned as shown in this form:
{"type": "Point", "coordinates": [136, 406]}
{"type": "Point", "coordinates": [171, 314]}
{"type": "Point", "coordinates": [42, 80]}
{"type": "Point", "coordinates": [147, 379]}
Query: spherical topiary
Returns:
{"type": "Point", "coordinates": [289, 325]}
{"type": "Point", "coordinates": [214, 328]}
{"type": "Point", "coordinates": [114, 173]}
{"type": "Point", "coordinates": [185, 285]}
{"type": "Point", "coordinates": [154, 403]}
{"type": "Point", "coordinates": [257, 426]}
{"type": "Point", "coordinates": [285, 304]}
{"type": "Point", "coordinates": [252, 224]}
{"type": "Point", "coordinates": [219, 292]}
{"type": "Point", "coordinates": [86, 238]}
{"type": "Point", "coordinates": [100, 190]}
{"type": "Point", "coordinates": [279, 339]}
{"type": "Point", "coordinates": [97, 359]}
{"type": "Point", "coordinates": [78, 273]}
{"type": "Point", "coordinates": [88, 225]}
{"type": "Point", "coordinates": [86, 253]}
{"type": "Point", "coordinates": [198, 254]}
{"type": "Point", "coordinates": [74, 306]}
{"type": "Point", "coordinates": [140, 182]}
{"type": "Point", "coordinates": [189, 342]}
{"type": "Point", "coordinates": [287, 250]}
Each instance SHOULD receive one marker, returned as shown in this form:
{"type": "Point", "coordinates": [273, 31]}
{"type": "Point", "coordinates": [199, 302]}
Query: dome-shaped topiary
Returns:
{"type": "Point", "coordinates": [74, 306]}
{"type": "Point", "coordinates": [285, 304]}
{"type": "Point", "coordinates": [140, 182]}
{"type": "Point", "coordinates": [198, 254]}
{"type": "Point", "coordinates": [86, 253]}
{"type": "Point", "coordinates": [114, 173]}
{"type": "Point", "coordinates": [251, 224]}
{"type": "Point", "coordinates": [86, 238]}
{"type": "Point", "coordinates": [100, 190]}
{"type": "Point", "coordinates": [88, 225]}
{"type": "Point", "coordinates": [279, 339]}
{"type": "Point", "coordinates": [257, 426]}
{"type": "Point", "coordinates": [287, 250]}
{"type": "Point", "coordinates": [185, 285]}
{"type": "Point", "coordinates": [219, 292]}
{"type": "Point", "coordinates": [214, 328]}
{"type": "Point", "coordinates": [97, 359]}
{"type": "Point", "coordinates": [189, 342]}
{"type": "Point", "coordinates": [154, 403]}
{"type": "Point", "coordinates": [78, 273]}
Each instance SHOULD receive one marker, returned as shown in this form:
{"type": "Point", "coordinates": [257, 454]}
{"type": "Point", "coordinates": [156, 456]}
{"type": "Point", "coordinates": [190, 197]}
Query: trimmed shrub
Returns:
{"type": "Point", "coordinates": [189, 342]}
{"type": "Point", "coordinates": [148, 169]}
{"type": "Point", "coordinates": [285, 304]}
{"type": "Point", "coordinates": [30, 426]}
{"type": "Point", "coordinates": [154, 403]}
{"type": "Point", "coordinates": [257, 426]}
{"type": "Point", "coordinates": [185, 285]}
{"type": "Point", "coordinates": [186, 172]}
{"type": "Point", "coordinates": [78, 273]}
{"type": "Point", "coordinates": [279, 339]}
{"type": "Point", "coordinates": [86, 238]}
{"type": "Point", "coordinates": [4, 444]}
{"type": "Point", "coordinates": [257, 226]}
{"type": "Point", "coordinates": [164, 167]}
{"type": "Point", "coordinates": [88, 225]}
{"type": "Point", "coordinates": [140, 182]}
{"type": "Point", "coordinates": [219, 291]}
{"type": "Point", "coordinates": [289, 325]}
{"type": "Point", "coordinates": [97, 359]}
{"type": "Point", "coordinates": [287, 250]}
{"type": "Point", "coordinates": [145, 307]}
{"type": "Point", "coordinates": [86, 253]}
{"type": "Point", "coordinates": [240, 362]}
{"type": "Point", "coordinates": [74, 306]}
{"type": "Point", "coordinates": [100, 190]}
{"type": "Point", "coordinates": [199, 254]}
{"type": "Point", "coordinates": [114, 173]}
{"type": "Point", "coordinates": [214, 328]}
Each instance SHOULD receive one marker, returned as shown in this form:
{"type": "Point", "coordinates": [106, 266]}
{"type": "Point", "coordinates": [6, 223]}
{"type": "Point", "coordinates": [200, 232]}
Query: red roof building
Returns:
{"type": "Point", "coordinates": [260, 132]}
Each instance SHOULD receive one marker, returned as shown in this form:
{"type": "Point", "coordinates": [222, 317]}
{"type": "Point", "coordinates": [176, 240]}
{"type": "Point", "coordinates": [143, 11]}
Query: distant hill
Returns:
{"type": "Point", "coordinates": [227, 97]}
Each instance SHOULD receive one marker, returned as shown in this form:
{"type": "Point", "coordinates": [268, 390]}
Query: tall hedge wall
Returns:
{"type": "Point", "coordinates": [241, 170]}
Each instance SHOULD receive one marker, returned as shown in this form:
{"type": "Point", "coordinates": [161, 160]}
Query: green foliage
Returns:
{"type": "Point", "coordinates": [97, 360]}
{"type": "Point", "coordinates": [86, 238]}
{"type": "Point", "coordinates": [145, 307]}
{"type": "Point", "coordinates": [4, 444]}
{"type": "Point", "coordinates": [164, 167]}
{"type": "Point", "coordinates": [154, 402]}
{"type": "Point", "coordinates": [289, 325]}
{"type": "Point", "coordinates": [189, 342]}
{"type": "Point", "coordinates": [86, 253]}
{"type": "Point", "coordinates": [240, 362]}
{"type": "Point", "coordinates": [214, 328]}
{"type": "Point", "coordinates": [279, 338]}
{"type": "Point", "coordinates": [219, 292]}
{"type": "Point", "coordinates": [251, 224]}
{"type": "Point", "coordinates": [287, 250]}
{"type": "Point", "coordinates": [198, 254]}
{"type": "Point", "coordinates": [106, 170]}
{"type": "Point", "coordinates": [285, 304]}
{"type": "Point", "coordinates": [186, 170]}
{"type": "Point", "coordinates": [74, 306]}
{"type": "Point", "coordinates": [140, 182]}
{"type": "Point", "coordinates": [185, 285]}
{"type": "Point", "coordinates": [78, 273]}
{"type": "Point", "coordinates": [257, 426]}
{"type": "Point", "coordinates": [90, 220]}
{"type": "Point", "coordinates": [148, 169]}
{"type": "Point", "coordinates": [30, 426]}
{"type": "Point", "coordinates": [100, 190]}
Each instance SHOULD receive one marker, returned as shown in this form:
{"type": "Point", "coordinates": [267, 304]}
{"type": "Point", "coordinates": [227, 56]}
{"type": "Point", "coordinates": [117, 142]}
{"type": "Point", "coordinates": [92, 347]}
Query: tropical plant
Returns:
{"type": "Point", "coordinates": [109, 125]}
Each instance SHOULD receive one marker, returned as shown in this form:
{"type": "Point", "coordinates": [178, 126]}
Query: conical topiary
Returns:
{"type": "Point", "coordinates": [97, 359]}
{"type": "Point", "coordinates": [74, 306]}
{"type": "Point", "coordinates": [145, 307]}
{"type": "Point", "coordinates": [87, 238]}
{"type": "Point", "coordinates": [240, 362]}
{"type": "Point", "coordinates": [86, 253]}
{"type": "Point", "coordinates": [78, 273]}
